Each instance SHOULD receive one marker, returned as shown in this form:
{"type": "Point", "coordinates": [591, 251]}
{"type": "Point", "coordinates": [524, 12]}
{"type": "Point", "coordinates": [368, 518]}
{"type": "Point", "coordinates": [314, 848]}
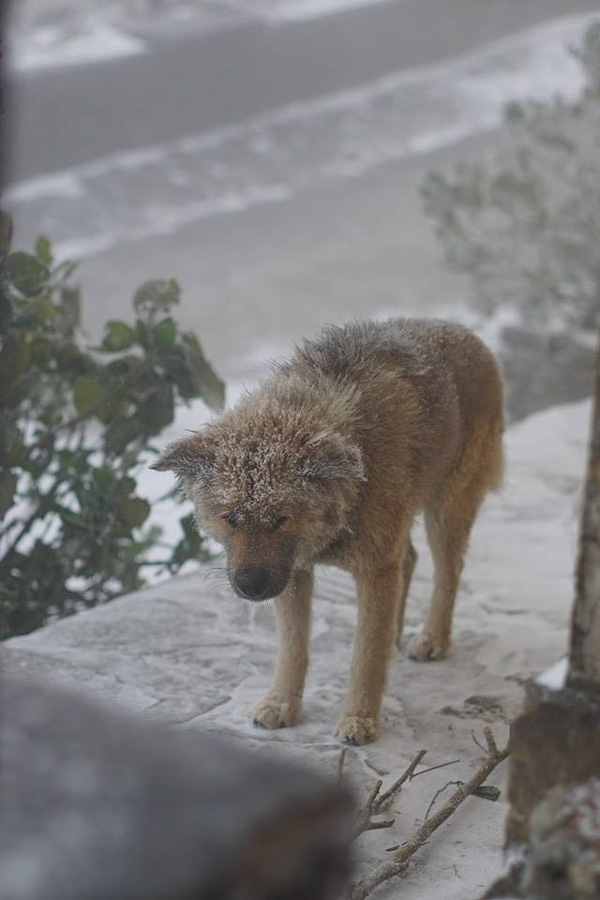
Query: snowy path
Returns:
{"type": "Point", "coordinates": [185, 651]}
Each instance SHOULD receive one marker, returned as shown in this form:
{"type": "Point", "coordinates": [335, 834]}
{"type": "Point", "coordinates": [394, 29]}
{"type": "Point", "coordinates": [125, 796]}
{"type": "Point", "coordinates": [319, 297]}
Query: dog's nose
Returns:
{"type": "Point", "coordinates": [252, 583]}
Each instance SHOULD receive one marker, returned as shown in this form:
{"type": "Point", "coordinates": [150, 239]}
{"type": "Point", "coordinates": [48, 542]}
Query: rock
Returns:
{"type": "Point", "coordinates": [564, 859]}
{"type": "Point", "coordinates": [555, 741]}
{"type": "Point", "coordinates": [97, 805]}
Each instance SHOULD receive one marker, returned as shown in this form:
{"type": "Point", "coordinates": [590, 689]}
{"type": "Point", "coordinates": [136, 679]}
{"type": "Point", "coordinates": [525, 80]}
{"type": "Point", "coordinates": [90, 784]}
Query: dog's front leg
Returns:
{"type": "Point", "coordinates": [280, 707]}
{"type": "Point", "coordinates": [375, 632]}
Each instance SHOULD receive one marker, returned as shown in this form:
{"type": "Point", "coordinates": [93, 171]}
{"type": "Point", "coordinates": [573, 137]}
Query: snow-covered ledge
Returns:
{"type": "Point", "coordinates": [186, 652]}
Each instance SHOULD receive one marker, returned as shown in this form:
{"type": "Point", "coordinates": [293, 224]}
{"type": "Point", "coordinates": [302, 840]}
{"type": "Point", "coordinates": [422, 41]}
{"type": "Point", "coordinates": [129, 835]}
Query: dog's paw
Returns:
{"type": "Point", "coordinates": [357, 729]}
{"type": "Point", "coordinates": [272, 713]}
{"type": "Point", "coordinates": [426, 646]}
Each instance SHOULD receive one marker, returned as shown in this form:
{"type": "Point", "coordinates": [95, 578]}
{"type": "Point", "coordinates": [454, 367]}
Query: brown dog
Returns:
{"type": "Point", "coordinates": [329, 461]}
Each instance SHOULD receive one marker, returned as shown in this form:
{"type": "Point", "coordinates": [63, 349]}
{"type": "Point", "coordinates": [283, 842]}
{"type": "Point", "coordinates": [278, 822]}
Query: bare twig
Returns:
{"type": "Point", "coordinates": [377, 803]}
{"type": "Point", "coordinates": [408, 775]}
{"type": "Point", "coordinates": [490, 741]}
{"type": "Point", "coordinates": [367, 811]}
{"type": "Point", "coordinates": [437, 794]}
{"type": "Point", "coordinates": [400, 860]}
{"type": "Point", "coordinates": [450, 762]}
{"type": "Point", "coordinates": [476, 741]}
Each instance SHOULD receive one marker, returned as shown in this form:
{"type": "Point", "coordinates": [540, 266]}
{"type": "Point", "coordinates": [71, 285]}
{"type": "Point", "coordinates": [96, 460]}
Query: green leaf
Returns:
{"type": "Point", "coordinates": [105, 478]}
{"type": "Point", "coordinates": [113, 405]}
{"type": "Point", "coordinates": [120, 433]}
{"type": "Point", "coordinates": [208, 384]}
{"type": "Point", "coordinates": [8, 486]}
{"type": "Point", "coordinates": [127, 485]}
{"type": "Point", "coordinates": [164, 333]}
{"type": "Point", "coordinates": [189, 527]}
{"type": "Point", "coordinates": [191, 545]}
{"type": "Point", "coordinates": [72, 519]}
{"type": "Point", "coordinates": [158, 410]}
{"type": "Point", "coordinates": [119, 336]}
{"type": "Point", "coordinates": [133, 511]}
{"type": "Point", "coordinates": [43, 251]}
{"type": "Point", "coordinates": [487, 792]}
{"type": "Point", "coordinates": [69, 461]}
{"type": "Point", "coordinates": [156, 296]}
{"type": "Point", "coordinates": [86, 395]}
{"type": "Point", "coordinates": [26, 273]}
{"type": "Point", "coordinates": [14, 357]}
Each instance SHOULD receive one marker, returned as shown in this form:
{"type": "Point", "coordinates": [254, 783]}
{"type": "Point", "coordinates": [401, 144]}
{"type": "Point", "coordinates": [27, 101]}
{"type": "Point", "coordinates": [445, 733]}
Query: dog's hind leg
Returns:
{"type": "Point", "coordinates": [408, 567]}
{"type": "Point", "coordinates": [378, 591]}
{"type": "Point", "coordinates": [449, 519]}
{"type": "Point", "coordinates": [281, 705]}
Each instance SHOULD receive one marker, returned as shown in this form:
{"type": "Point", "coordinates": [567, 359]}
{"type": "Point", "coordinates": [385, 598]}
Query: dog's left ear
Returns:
{"type": "Point", "coordinates": [330, 457]}
{"type": "Point", "coordinates": [191, 457]}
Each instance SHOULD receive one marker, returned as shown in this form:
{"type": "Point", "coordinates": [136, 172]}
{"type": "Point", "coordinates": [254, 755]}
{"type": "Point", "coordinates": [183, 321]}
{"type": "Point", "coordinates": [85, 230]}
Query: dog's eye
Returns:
{"type": "Point", "coordinates": [280, 521]}
{"type": "Point", "coordinates": [231, 519]}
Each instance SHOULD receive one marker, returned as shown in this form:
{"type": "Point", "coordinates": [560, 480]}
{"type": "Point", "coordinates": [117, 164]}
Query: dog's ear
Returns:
{"type": "Point", "coordinates": [329, 457]}
{"type": "Point", "coordinates": [191, 457]}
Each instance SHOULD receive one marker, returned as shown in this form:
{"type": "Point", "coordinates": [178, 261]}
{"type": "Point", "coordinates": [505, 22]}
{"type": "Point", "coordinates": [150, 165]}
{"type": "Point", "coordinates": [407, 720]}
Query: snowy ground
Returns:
{"type": "Point", "coordinates": [187, 652]}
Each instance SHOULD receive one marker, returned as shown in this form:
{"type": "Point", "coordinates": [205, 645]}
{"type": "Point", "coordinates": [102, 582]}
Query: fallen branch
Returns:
{"type": "Point", "coordinates": [399, 862]}
{"type": "Point", "coordinates": [376, 803]}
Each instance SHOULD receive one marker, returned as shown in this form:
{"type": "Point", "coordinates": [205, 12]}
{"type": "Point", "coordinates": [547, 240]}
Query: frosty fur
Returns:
{"type": "Point", "coordinates": [329, 461]}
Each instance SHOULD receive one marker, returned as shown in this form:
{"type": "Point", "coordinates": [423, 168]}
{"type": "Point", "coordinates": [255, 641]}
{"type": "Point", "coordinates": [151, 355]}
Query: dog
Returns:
{"type": "Point", "coordinates": [328, 462]}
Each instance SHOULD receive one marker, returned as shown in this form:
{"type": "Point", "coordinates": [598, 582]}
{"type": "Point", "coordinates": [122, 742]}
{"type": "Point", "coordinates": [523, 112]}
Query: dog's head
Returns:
{"type": "Point", "coordinates": [274, 499]}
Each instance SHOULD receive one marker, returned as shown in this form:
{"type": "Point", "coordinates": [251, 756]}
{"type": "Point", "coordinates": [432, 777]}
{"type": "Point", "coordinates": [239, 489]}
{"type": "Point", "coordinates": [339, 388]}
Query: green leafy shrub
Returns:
{"type": "Point", "coordinates": [76, 428]}
{"type": "Point", "coordinates": [524, 222]}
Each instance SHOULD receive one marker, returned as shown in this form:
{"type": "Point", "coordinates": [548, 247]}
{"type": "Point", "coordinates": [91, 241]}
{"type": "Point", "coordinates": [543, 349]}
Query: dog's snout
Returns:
{"type": "Point", "coordinates": [252, 583]}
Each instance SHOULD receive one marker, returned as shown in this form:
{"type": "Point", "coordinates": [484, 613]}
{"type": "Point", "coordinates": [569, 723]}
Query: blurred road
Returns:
{"type": "Point", "coordinates": [272, 169]}
{"type": "Point", "coordinates": [228, 67]}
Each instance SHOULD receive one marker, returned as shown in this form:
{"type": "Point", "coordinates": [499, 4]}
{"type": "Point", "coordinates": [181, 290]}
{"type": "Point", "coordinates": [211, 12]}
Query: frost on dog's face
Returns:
{"type": "Point", "coordinates": [273, 502]}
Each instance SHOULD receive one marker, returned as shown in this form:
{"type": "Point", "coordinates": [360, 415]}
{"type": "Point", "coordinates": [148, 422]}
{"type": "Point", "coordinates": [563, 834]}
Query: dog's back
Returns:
{"type": "Point", "coordinates": [430, 392]}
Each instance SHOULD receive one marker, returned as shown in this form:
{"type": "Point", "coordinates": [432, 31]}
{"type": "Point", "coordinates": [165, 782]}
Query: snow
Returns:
{"type": "Point", "coordinates": [185, 652]}
{"type": "Point", "coordinates": [271, 158]}
{"type": "Point", "coordinates": [555, 677]}
{"type": "Point", "coordinates": [51, 47]}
